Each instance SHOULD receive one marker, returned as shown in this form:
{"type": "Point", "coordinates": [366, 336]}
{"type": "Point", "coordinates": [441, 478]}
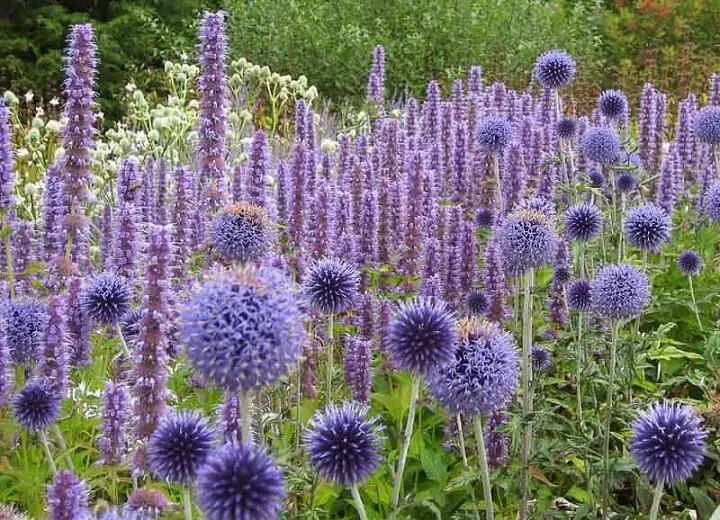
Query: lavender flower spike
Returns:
{"type": "Point", "coordinates": [7, 168]}
{"type": "Point", "coordinates": [54, 356]}
{"type": "Point", "coordinates": [68, 497]}
{"type": "Point", "coordinates": [116, 404]}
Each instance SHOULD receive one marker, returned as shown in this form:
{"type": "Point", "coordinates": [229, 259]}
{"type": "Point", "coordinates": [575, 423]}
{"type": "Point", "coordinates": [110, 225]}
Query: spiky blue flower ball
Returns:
{"type": "Point", "coordinates": [579, 296]}
{"type": "Point", "coordinates": [343, 445]}
{"type": "Point", "coordinates": [583, 222]}
{"type": "Point", "coordinates": [485, 217]}
{"type": "Point", "coordinates": [707, 124]}
{"type": "Point", "coordinates": [24, 322]}
{"type": "Point", "coordinates": [240, 483]}
{"type": "Point", "coordinates": [647, 227]}
{"type": "Point", "coordinates": [566, 128]}
{"type": "Point", "coordinates": [494, 133]}
{"type": "Point", "coordinates": [482, 375]}
{"type": "Point", "coordinates": [625, 182]}
{"type": "Point", "coordinates": [331, 285]}
{"type": "Point", "coordinates": [477, 302]}
{"type": "Point", "coordinates": [555, 69]}
{"type": "Point", "coordinates": [597, 179]}
{"type": "Point", "coordinates": [130, 325]}
{"type": "Point", "coordinates": [712, 202]}
{"type": "Point", "coordinates": [540, 204]}
{"type": "Point", "coordinates": [527, 241]}
{"type": "Point", "coordinates": [244, 330]}
{"type": "Point", "coordinates": [668, 442]}
{"type": "Point", "coordinates": [619, 291]}
{"type": "Point", "coordinates": [613, 104]}
{"type": "Point", "coordinates": [37, 405]}
{"type": "Point", "coordinates": [107, 298]}
{"type": "Point", "coordinates": [689, 263]}
{"type": "Point", "coordinates": [179, 446]}
{"type": "Point", "coordinates": [243, 233]}
{"type": "Point", "coordinates": [421, 335]}
{"type": "Point", "coordinates": [541, 359]}
{"type": "Point", "coordinates": [600, 144]}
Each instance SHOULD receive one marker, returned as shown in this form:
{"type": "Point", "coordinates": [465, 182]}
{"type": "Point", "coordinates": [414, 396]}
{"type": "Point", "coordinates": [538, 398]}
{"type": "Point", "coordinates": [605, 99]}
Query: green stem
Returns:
{"type": "Point", "coordinates": [330, 333]}
{"type": "Point", "coordinates": [694, 303]}
{"type": "Point", "coordinates": [608, 419]}
{"type": "Point", "coordinates": [358, 502]}
{"type": "Point", "coordinates": [657, 498]}
{"type": "Point", "coordinates": [620, 231]}
{"type": "Point", "coordinates": [645, 268]}
{"type": "Point", "coordinates": [484, 469]}
{"type": "Point", "coordinates": [123, 343]}
{"type": "Point", "coordinates": [187, 503]}
{"type": "Point", "coordinates": [63, 446]}
{"type": "Point", "coordinates": [48, 453]}
{"type": "Point", "coordinates": [407, 436]}
{"type": "Point", "coordinates": [298, 396]}
{"type": "Point", "coordinates": [498, 181]}
{"type": "Point", "coordinates": [527, 378]}
{"type": "Point", "coordinates": [580, 362]}
{"type": "Point", "coordinates": [246, 417]}
{"type": "Point", "coordinates": [463, 452]}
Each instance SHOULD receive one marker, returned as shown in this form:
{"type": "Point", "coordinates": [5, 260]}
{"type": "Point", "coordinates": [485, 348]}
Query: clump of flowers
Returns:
{"type": "Point", "coordinates": [527, 241]}
{"type": "Point", "coordinates": [619, 291]}
{"type": "Point", "coordinates": [332, 285]}
{"type": "Point", "coordinates": [243, 233]}
{"type": "Point", "coordinates": [494, 134]}
{"type": "Point", "coordinates": [647, 227]}
{"type": "Point", "coordinates": [24, 325]}
{"type": "Point", "coordinates": [600, 144]}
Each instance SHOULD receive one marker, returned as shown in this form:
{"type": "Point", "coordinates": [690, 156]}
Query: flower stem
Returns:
{"type": "Point", "coordinates": [608, 419]}
{"type": "Point", "coordinates": [657, 497]}
{"type": "Point", "coordinates": [330, 333]}
{"type": "Point", "coordinates": [63, 446]}
{"type": "Point", "coordinates": [580, 362]}
{"type": "Point", "coordinates": [48, 453]}
{"type": "Point", "coordinates": [187, 503]}
{"type": "Point", "coordinates": [397, 485]}
{"type": "Point", "coordinates": [358, 502]}
{"type": "Point", "coordinates": [694, 303]}
{"type": "Point", "coordinates": [645, 263]}
{"type": "Point", "coordinates": [527, 393]}
{"type": "Point", "coordinates": [498, 181]}
{"type": "Point", "coordinates": [246, 417]}
{"type": "Point", "coordinates": [484, 469]}
{"type": "Point", "coordinates": [298, 396]}
{"type": "Point", "coordinates": [123, 343]}
{"type": "Point", "coordinates": [461, 438]}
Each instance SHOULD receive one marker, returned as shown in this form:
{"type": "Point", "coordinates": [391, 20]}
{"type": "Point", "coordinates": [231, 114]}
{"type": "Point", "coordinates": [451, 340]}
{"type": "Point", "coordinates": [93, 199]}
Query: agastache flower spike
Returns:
{"type": "Point", "coordinates": [54, 356]}
{"type": "Point", "coordinates": [68, 497]}
{"type": "Point", "coordinates": [115, 415]}
{"type": "Point", "coordinates": [258, 168]}
{"type": "Point", "coordinates": [358, 368]}
{"type": "Point", "coordinates": [7, 167]}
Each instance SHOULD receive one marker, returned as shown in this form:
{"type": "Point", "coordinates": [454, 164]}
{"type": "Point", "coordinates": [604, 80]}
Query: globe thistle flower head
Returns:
{"type": "Point", "coordinates": [107, 298]}
{"type": "Point", "coordinates": [707, 125]}
{"type": "Point", "coordinates": [566, 128]}
{"type": "Point", "coordinates": [180, 445]}
{"type": "Point", "coordinates": [619, 291]}
{"type": "Point", "coordinates": [583, 222]}
{"type": "Point", "coordinates": [36, 406]}
{"type": "Point", "coordinates": [597, 179]}
{"type": "Point", "coordinates": [68, 497]}
{"type": "Point", "coordinates": [625, 182]}
{"type": "Point", "coordinates": [485, 217]}
{"type": "Point", "coordinates": [494, 134]}
{"type": "Point", "coordinates": [600, 144]}
{"type": "Point", "coordinates": [579, 296]}
{"type": "Point", "coordinates": [343, 445]}
{"type": "Point", "coordinates": [647, 227]}
{"type": "Point", "coordinates": [244, 329]}
{"type": "Point", "coordinates": [689, 263]}
{"type": "Point", "coordinates": [24, 323]}
{"type": "Point", "coordinates": [540, 204]}
{"type": "Point", "coordinates": [130, 326]}
{"type": "Point", "coordinates": [668, 442]}
{"type": "Point", "coordinates": [477, 302]}
{"type": "Point", "coordinates": [421, 336]}
{"type": "Point", "coordinates": [712, 203]}
{"type": "Point", "coordinates": [240, 482]}
{"type": "Point", "coordinates": [527, 240]}
{"type": "Point", "coordinates": [555, 69]}
{"type": "Point", "coordinates": [613, 104]}
{"type": "Point", "coordinates": [541, 359]}
{"type": "Point", "coordinates": [482, 376]}
{"type": "Point", "coordinates": [331, 285]}
{"type": "Point", "coordinates": [243, 233]}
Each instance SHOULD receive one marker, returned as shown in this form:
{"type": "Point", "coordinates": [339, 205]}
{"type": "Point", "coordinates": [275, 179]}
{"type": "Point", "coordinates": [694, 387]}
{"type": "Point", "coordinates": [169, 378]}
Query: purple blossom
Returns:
{"type": "Point", "coordinates": [619, 291]}
{"type": "Point", "coordinates": [68, 497]}
{"type": "Point", "coordinates": [670, 181]}
{"type": "Point", "coordinates": [496, 441]}
{"type": "Point", "coordinates": [7, 372]}
{"type": "Point", "coordinates": [229, 418]}
{"type": "Point", "coordinates": [555, 69]}
{"type": "Point", "coordinates": [160, 206]}
{"type": "Point", "coordinates": [106, 237]}
{"type": "Point", "coordinates": [647, 227]}
{"type": "Point", "coordinates": [126, 242]}
{"type": "Point", "coordinates": [212, 86]}
{"type": "Point", "coordinates": [181, 218]}
{"type": "Point", "coordinates": [36, 406]}
{"type": "Point", "coordinates": [376, 81]}
{"type": "Point", "coordinates": [647, 127]}
{"type": "Point", "coordinates": [600, 144]}
{"type": "Point", "coordinates": [358, 368]}
{"type": "Point", "coordinates": [689, 263]}
{"type": "Point", "coordinates": [53, 364]}
{"type": "Point", "coordinates": [7, 167]}
{"type": "Point", "coordinates": [78, 325]}
{"type": "Point", "coordinates": [613, 105]}
{"type": "Point", "coordinates": [526, 240]}
{"type": "Point", "coordinates": [115, 415]}
{"type": "Point", "coordinates": [258, 168]}
{"type": "Point", "coordinates": [707, 125]}
{"type": "Point", "coordinates": [494, 276]}
{"type": "Point", "coordinates": [52, 210]}
{"type": "Point", "coordinates": [243, 233]}
{"type": "Point", "coordinates": [514, 177]}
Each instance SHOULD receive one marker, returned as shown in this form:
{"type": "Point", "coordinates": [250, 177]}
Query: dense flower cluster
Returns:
{"type": "Point", "coordinates": [619, 291]}
{"type": "Point", "coordinates": [243, 233]}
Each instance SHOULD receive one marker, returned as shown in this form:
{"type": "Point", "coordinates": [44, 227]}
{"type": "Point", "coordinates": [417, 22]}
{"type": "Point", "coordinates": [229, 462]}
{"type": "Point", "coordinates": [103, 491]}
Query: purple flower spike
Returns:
{"type": "Point", "coordinates": [68, 497]}
{"type": "Point", "coordinates": [54, 356]}
{"type": "Point", "coordinates": [7, 167]}
{"type": "Point", "coordinates": [116, 411]}
{"type": "Point", "coordinates": [358, 368]}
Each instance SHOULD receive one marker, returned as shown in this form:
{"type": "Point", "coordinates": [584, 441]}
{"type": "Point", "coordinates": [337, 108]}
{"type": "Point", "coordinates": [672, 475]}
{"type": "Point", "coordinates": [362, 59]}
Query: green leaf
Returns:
{"type": "Point", "coordinates": [433, 465]}
{"type": "Point", "coordinates": [703, 502]}
{"type": "Point", "coordinates": [669, 352]}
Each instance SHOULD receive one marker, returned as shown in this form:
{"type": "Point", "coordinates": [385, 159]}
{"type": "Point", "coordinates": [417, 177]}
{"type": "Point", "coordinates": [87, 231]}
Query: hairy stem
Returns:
{"type": "Point", "coordinates": [187, 503]}
{"type": "Point", "coordinates": [330, 333]}
{"type": "Point", "coordinates": [527, 383]}
{"type": "Point", "coordinates": [694, 303]}
{"type": "Point", "coordinates": [63, 446]}
{"type": "Point", "coordinates": [463, 452]}
{"type": "Point", "coordinates": [406, 441]}
{"type": "Point", "coordinates": [484, 469]}
{"type": "Point", "coordinates": [657, 497]}
{"type": "Point", "coordinates": [246, 417]}
{"type": "Point", "coordinates": [580, 361]}
{"type": "Point", "coordinates": [48, 453]}
{"type": "Point", "coordinates": [608, 419]}
{"type": "Point", "coordinates": [358, 502]}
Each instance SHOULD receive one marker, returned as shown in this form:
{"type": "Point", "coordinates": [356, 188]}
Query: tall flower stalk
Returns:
{"type": "Point", "coordinates": [527, 385]}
